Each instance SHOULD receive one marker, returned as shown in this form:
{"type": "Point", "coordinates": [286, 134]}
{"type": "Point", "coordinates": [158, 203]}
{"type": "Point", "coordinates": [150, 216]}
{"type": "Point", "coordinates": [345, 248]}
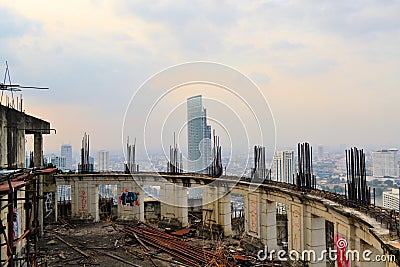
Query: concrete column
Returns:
{"type": "Point", "coordinates": [74, 198]}
{"type": "Point", "coordinates": [141, 203]}
{"type": "Point", "coordinates": [56, 204]}
{"type": "Point", "coordinates": [174, 203]}
{"type": "Point", "coordinates": [20, 145]}
{"type": "Point", "coordinates": [295, 227]}
{"type": "Point", "coordinates": [217, 207]}
{"type": "Point", "coordinates": [93, 201]}
{"type": "Point", "coordinates": [131, 209]}
{"type": "Point", "coordinates": [252, 213]}
{"type": "Point", "coordinates": [12, 146]}
{"type": "Point", "coordinates": [38, 150]}
{"type": "Point", "coordinates": [3, 139]}
{"type": "Point", "coordinates": [82, 201]}
{"type": "Point", "coordinates": [268, 223]}
{"type": "Point", "coordinates": [316, 238]}
{"type": "Point", "coordinates": [225, 213]}
{"type": "Point", "coordinates": [182, 205]}
{"type": "Point", "coordinates": [41, 204]}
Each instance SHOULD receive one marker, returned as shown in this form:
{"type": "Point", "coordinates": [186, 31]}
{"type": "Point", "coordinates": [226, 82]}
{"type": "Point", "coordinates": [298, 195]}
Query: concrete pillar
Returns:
{"type": "Point", "coordinates": [56, 204]}
{"type": "Point", "coordinates": [260, 219]}
{"type": "Point", "coordinates": [74, 198]}
{"type": "Point", "coordinates": [343, 232]}
{"type": "Point", "coordinates": [20, 145]}
{"type": "Point", "coordinates": [251, 214]}
{"type": "Point", "coordinates": [38, 150]}
{"type": "Point", "coordinates": [217, 207]}
{"type": "Point", "coordinates": [182, 205]}
{"type": "Point", "coordinates": [295, 227]}
{"type": "Point", "coordinates": [174, 203]}
{"type": "Point", "coordinates": [40, 206]}
{"type": "Point", "coordinates": [225, 214]}
{"type": "Point", "coordinates": [268, 227]}
{"type": "Point", "coordinates": [82, 200]}
{"type": "Point", "coordinates": [93, 201]}
{"type": "Point", "coordinates": [128, 207]}
{"type": "Point", "coordinates": [3, 138]}
{"type": "Point", "coordinates": [12, 146]}
{"type": "Point", "coordinates": [316, 238]}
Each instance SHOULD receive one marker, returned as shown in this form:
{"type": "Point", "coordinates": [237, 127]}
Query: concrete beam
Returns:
{"type": "Point", "coordinates": [36, 125]}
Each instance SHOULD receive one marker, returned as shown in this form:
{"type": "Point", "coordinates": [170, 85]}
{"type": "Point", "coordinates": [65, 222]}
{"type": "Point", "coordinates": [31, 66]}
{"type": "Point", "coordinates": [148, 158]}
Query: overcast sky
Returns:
{"type": "Point", "coordinates": [330, 70]}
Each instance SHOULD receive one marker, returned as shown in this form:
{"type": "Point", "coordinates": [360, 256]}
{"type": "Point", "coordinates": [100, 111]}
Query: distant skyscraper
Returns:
{"type": "Point", "coordinates": [283, 169]}
{"type": "Point", "coordinates": [320, 152]}
{"type": "Point", "coordinates": [56, 161]}
{"type": "Point", "coordinates": [199, 135]}
{"type": "Point", "coordinates": [66, 152]}
{"type": "Point", "coordinates": [385, 163]}
{"type": "Point", "coordinates": [391, 199]}
{"type": "Point", "coordinates": [103, 161]}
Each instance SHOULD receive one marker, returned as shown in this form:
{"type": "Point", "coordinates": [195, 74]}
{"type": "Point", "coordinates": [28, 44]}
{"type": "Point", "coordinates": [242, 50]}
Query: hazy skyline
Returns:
{"type": "Point", "coordinates": [329, 69]}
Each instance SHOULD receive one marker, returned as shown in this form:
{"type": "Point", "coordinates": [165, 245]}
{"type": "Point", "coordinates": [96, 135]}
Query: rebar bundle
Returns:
{"type": "Point", "coordinates": [175, 164]}
{"type": "Point", "coordinates": [130, 165]}
{"type": "Point", "coordinates": [305, 179]}
{"type": "Point", "coordinates": [259, 171]}
{"type": "Point", "coordinates": [85, 166]}
{"type": "Point", "coordinates": [215, 169]}
{"type": "Point", "coordinates": [357, 189]}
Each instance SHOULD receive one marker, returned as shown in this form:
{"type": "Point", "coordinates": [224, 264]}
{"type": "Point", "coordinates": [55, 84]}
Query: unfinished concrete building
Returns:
{"type": "Point", "coordinates": [21, 192]}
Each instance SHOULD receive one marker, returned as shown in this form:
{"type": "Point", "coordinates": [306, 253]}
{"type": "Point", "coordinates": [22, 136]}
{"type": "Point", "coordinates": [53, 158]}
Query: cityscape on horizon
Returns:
{"type": "Point", "coordinates": [329, 167]}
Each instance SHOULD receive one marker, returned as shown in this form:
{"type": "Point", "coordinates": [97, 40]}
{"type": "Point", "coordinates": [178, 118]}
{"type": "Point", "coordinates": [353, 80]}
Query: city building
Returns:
{"type": "Point", "coordinates": [320, 152]}
{"type": "Point", "coordinates": [385, 163]}
{"type": "Point", "coordinates": [199, 136]}
{"type": "Point", "coordinates": [391, 199]}
{"type": "Point", "coordinates": [103, 161]}
{"type": "Point", "coordinates": [57, 161]}
{"type": "Point", "coordinates": [66, 151]}
{"type": "Point", "coordinates": [283, 169]}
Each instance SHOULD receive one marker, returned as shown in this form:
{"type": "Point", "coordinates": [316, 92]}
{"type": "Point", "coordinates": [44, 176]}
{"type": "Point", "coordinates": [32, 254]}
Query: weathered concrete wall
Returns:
{"type": "Point", "coordinates": [217, 207]}
{"type": "Point", "coordinates": [85, 198]}
{"type": "Point", "coordinates": [173, 202]}
{"type": "Point", "coordinates": [3, 139]}
{"type": "Point", "coordinates": [307, 214]}
{"type": "Point", "coordinates": [13, 127]}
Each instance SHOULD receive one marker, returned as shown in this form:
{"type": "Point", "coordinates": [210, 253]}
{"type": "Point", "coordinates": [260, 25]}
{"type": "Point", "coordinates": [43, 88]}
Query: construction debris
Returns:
{"type": "Point", "coordinates": [184, 232]}
{"type": "Point", "coordinates": [137, 244]}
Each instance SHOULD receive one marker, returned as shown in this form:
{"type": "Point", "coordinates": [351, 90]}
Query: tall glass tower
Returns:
{"type": "Point", "coordinates": [284, 166]}
{"type": "Point", "coordinates": [385, 163]}
{"type": "Point", "coordinates": [66, 151]}
{"type": "Point", "coordinates": [199, 136]}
